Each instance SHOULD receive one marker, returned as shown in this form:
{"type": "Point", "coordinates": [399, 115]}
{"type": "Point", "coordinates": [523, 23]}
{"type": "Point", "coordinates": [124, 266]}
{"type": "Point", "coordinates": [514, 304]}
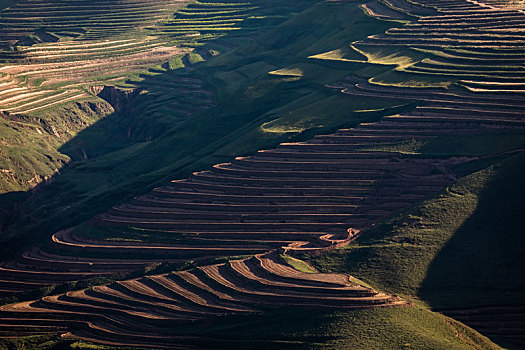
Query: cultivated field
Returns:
{"type": "Point", "coordinates": [227, 240]}
{"type": "Point", "coordinates": [75, 63]}
{"type": "Point", "coordinates": [300, 197]}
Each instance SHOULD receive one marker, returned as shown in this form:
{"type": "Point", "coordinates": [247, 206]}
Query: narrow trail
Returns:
{"type": "Point", "coordinates": [460, 335]}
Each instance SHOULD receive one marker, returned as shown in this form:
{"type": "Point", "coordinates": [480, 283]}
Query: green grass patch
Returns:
{"type": "Point", "coordinates": [457, 249]}
{"type": "Point", "coordinates": [291, 72]}
{"type": "Point", "coordinates": [383, 328]}
{"type": "Point", "coordinates": [299, 264]}
{"type": "Point", "coordinates": [373, 329]}
{"type": "Point", "coordinates": [194, 58]}
{"type": "Point", "coordinates": [48, 342]}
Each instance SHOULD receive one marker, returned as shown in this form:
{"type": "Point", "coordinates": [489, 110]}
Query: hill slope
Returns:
{"type": "Point", "coordinates": [399, 126]}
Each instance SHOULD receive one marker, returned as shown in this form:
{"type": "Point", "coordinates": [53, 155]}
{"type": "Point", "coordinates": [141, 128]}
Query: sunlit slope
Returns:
{"type": "Point", "coordinates": [153, 141]}
{"type": "Point", "coordinates": [56, 73]}
{"type": "Point", "coordinates": [48, 69]}
{"type": "Point", "coordinates": [473, 44]}
{"type": "Point", "coordinates": [53, 51]}
{"type": "Point", "coordinates": [290, 328]}
{"type": "Point", "coordinates": [453, 251]}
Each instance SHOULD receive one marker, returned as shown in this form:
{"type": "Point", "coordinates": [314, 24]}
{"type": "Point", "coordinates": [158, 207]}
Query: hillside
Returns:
{"type": "Point", "coordinates": [58, 76]}
{"type": "Point", "coordinates": [456, 252]}
{"type": "Point", "coordinates": [108, 146]}
{"type": "Point", "coordinates": [323, 174]}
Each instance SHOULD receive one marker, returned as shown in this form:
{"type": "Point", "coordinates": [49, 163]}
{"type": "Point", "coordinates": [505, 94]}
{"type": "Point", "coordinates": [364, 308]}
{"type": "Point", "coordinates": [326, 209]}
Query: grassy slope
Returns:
{"type": "Point", "coordinates": [461, 248]}
{"type": "Point", "coordinates": [389, 328]}
{"type": "Point", "coordinates": [234, 127]}
{"type": "Point", "coordinates": [29, 148]}
{"type": "Point", "coordinates": [273, 109]}
{"type": "Point", "coordinates": [486, 244]}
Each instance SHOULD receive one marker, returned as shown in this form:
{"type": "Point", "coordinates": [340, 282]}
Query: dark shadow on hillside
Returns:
{"type": "Point", "coordinates": [159, 134]}
{"type": "Point", "coordinates": [104, 156]}
{"type": "Point", "coordinates": [142, 114]}
{"type": "Point", "coordinates": [483, 264]}
{"type": "Point", "coordinates": [156, 133]}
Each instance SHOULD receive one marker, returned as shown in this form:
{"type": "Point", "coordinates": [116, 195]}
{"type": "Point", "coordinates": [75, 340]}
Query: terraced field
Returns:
{"type": "Point", "coordinates": [64, 66]}
{"type": "Point", "coordinates": [110, 314]}
{"type": "Point", "coordinates": [300, 196]}
{"type": "Point", "coordinates": [53, 60]}
{"type": "Point", "coordinates": [59, 58]}
{"type": "Point", "coordinates": [229, 235]}
{"type": "Point", "coordinates": [75, 55]}
{"type": "Point", "coordinates": [57, 62]}
{"type": "Point", "coordinates": [306, 196]}
{"type": "Point", "coordinates": [478, 44]}
{"type": "Point", "coordinates": [94, 20]}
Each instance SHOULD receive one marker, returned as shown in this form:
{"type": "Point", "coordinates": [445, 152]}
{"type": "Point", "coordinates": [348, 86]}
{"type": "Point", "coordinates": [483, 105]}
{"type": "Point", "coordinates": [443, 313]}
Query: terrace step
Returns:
{"type": "Point", "coordinates": [306, 196]}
